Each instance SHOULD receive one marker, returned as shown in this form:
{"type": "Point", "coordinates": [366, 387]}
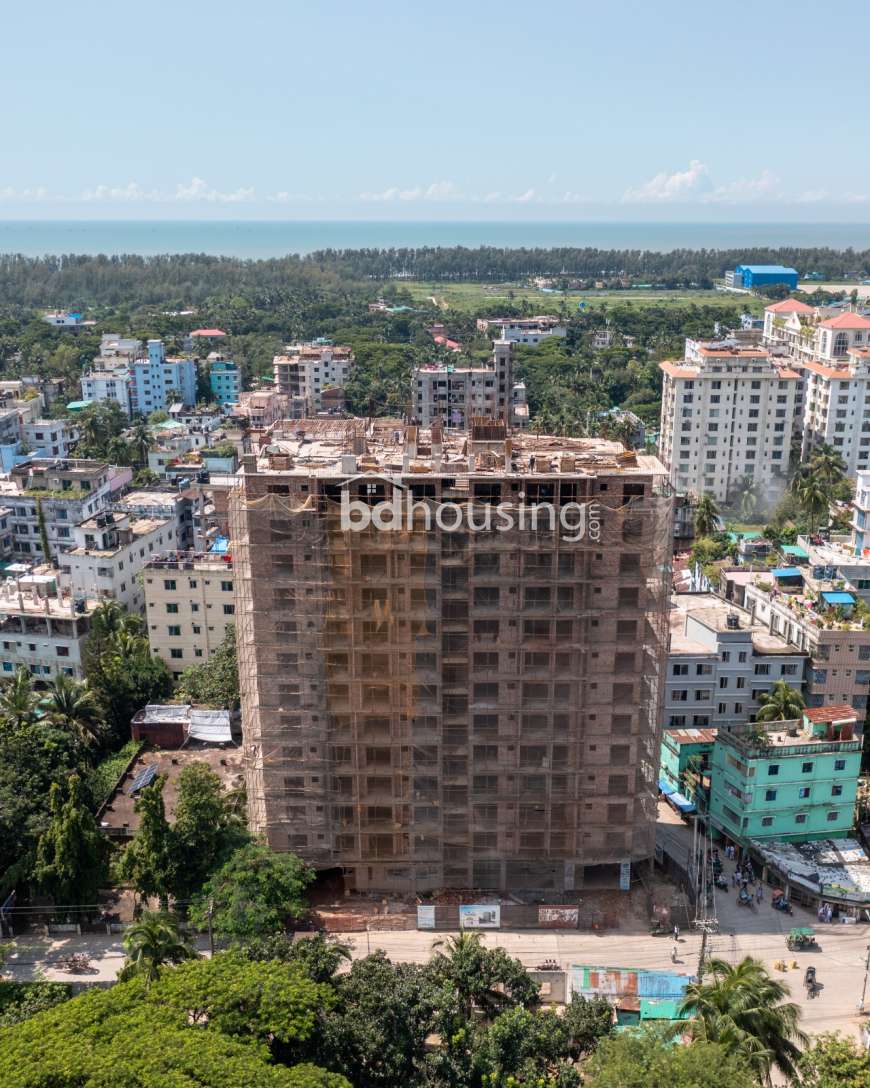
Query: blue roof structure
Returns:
{"type": "Point", "coordinates": [837, 597]}
{"type": "Point", "coordinates": [786, 572]}
{"type": "Point", "coordinates": [795, 551]}
{"type": "Point", "coordinates": [682, 803]}
{"type": "Point", "coordinates": [769, 269]}
{"type": "Point", "coordinates": [221, 545]}
{"type": "Point", "coordinates": [664, 787]}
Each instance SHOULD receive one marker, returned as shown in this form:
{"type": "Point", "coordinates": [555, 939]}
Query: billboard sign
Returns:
{"type": "Point", "coordinates": [425, 917]}
{"type": "Point", "coordinates": [558, 917]}
{"type": "Point", "coordinates": [480, 916]}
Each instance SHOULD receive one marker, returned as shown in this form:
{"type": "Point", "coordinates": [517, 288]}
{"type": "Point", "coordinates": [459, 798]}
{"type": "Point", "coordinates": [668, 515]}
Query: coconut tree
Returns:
{"type": "Point", "coordinates": [814, 497]}
{"type": "Point", "coordinates": [70, 704]}
{"type": "Point", "coordinates": [479, 977]}
{"type": "Point", "coordinates": [827, 463]}
{"type": "Point", "coordinates": [707, 519]}
{"type": "Point", "coordinates": [151, 943]}
{"type": "Point", "coordinates": [782, 704]}
{"type": "Point", "coordinates": [140, 440]}
{"type": "Point", "coordinates": [18, 701]}
{"type": "Point", "coordinates": [745, 1010]}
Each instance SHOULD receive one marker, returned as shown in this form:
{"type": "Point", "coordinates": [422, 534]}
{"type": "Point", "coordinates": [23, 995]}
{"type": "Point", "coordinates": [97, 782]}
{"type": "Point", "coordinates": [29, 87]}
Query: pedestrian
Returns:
{"type": "Point", "coordinates": [676, 934]}
{"type": "Point", "coordinates": [759, 895]}
{"type": "Point", "coordinates": [674, 951]}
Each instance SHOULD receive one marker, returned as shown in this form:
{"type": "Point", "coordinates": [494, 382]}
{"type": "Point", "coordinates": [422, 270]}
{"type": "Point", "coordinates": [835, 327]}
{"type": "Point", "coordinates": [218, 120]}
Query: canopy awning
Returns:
{"type": "Point", "coordinates": [681, 802]}
{"type": "Point", "coordinates": [786, 572]}
{"type": "Point", "coordinates": [664, 787]}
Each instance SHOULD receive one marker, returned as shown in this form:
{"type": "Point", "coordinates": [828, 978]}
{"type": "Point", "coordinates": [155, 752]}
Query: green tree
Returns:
{"type": "Point", "coordinates": [781, 704]}
{"type": "Point", "coordinates": [833, 1061]}
{"type": "Point", "coordinates": [43, 532]}
{"type": "Point", "coordinates": [485, 979]}
{"type": "Point", "coordinates": [152, 942]}
{"type": "Point", "coordinates": [376, 1034]}
{"type": "Point", "coordinates": [70, 704]}
{"type": "Point", "coordinates": [813, 495]}
{"type": "Point", "coordinates": [647, 1058]}
{"type": "Point", "coordinates": [216, 682]}
{"type": "Point", "coordinates": [525, 1047]}
{"type": "Point", "coordinates": [72, 852]}
{"type": "Point", "coordinates": [587, 1021]}
{"type": "Point", "coordinates": [140, 440]}
{"type": "Point", "coordinates": [319, 956]}
{"type": "Point", "coordinates": [149, 861]}
{"type": "Point", "coordinates": [21, 1000]}
{"type": "Point", "coordinates": [743, 1009]}
{"type": "Point", "coordinates": [207, 828]}
{"type": "Point", "coordinates": [707, 517]}
{"type": "Point", "coordinates": [253, 894]}
{"type": "Point", "coordinates": [18, 701]}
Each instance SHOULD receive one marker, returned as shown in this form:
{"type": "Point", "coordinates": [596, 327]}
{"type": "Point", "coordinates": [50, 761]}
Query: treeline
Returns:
{"type": "Point", "coordinates": [677, 268]}
{"type": "Point", "coordinates": [351, 276]}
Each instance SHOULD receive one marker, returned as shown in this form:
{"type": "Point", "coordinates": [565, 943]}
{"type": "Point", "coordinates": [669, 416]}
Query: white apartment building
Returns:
{"type": "Point", "coordinates": [454, 394]}
{"type": "Point", "coordinates": [51, 437]}
{"type": "Point", "coordinates": [304, 371]}
{"type": "Point", "coordinates": [139, 383]}
{"type": "Point", "coordinates": [182, 508]}
{"type": "Point", "coordinates": [42, 629]}
{"type": "Point", "coordinates": [728, 417]}
{"type": "Point", "coordinates": [108, 552]}
{"type": "Point", "coordinates": [102, 384]}
{"type": "Point", "coordinates": [861, 516]}
{"type": "Point", "coordinates": [523, 330]}
{"type": "Point", "coordinates": [190, 603]}
{"type": "Point", "coordinates": [837, 408]}
{"type": "Point", "coordinates": [259, 409]}
{"type": "Point", "coordinates": [721, 662]}
{"type": "Point", "coordinates": [61, 493]}
{"type": "Point", "coordinates": [839, 650]}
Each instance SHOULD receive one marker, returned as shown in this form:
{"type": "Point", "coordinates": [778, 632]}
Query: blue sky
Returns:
{"type": "Point", "coordinates": [474, 110]}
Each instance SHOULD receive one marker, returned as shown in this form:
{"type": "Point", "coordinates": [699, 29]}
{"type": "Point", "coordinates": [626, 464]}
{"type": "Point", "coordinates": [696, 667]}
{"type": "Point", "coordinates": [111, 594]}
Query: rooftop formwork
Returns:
{"type": "Point", "coordinates": [430, 706]}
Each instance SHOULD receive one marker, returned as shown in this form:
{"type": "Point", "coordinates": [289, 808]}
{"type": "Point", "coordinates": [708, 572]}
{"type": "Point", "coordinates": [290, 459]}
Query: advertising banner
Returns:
{"type": "Point", "coordinates": [558, 917]}
{"type": "Point", "coordinates": [425, 917]}
{"type": "Point", "coordinates": [480, 916]}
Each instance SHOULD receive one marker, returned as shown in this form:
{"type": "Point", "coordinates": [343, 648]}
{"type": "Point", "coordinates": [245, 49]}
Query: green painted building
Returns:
{"type": "Point", "coordinates": [685, 761]}
{"type": "Point", "coordinates": [792, 781]}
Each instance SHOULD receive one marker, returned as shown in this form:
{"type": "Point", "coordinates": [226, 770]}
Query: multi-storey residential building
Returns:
{"type": "Point", "coordinates": [523, 330]}
{"type": "Point", "coordinates": [189, 603]}
{"type": "Point", "coordinates": [57, 494]}
{"type": "Point", "coordinates": [180, 507]}
{"type": "Point", "coordinates": [108, 384]}
{"type": "Point", "coordinates": [224, 378]}
{"type": "Point", "coordinates": [838, 408]}
{"type": "Point", "coordinates": [789, 781]}
{"type": "Point", "coordinates": [41, 629]}
{"type": "Point", "coordinates": [108, 552]}
{"type": "Point", "coordinates": [471, 699]}
{"type": "Point", "coordinates": [821, 334]}
{"type": "Point", "coordinates": [261, 408]}
{"type": "Point", "coordinates": [861, 517]}
{"type": "Point", "coordinates": [51, 437]}
{"type": "Point", "coordinates": [685, 762]}
{"type": "Point", "coordinates": [304, 371]}
{"type": "Point", "coordinates": [455, 394]}
{"type": "Point", "coordinates": [158, 380]}
{"type": "Point", "coordinates": [721, 662]}
{"type": "Point", "coordinates": [801, 610]}
{"type": "Point", "coordinates": [726, 419]}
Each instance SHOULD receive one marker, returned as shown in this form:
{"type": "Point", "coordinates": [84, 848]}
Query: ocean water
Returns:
{"type": "Point", "coordinates": [263, 238]}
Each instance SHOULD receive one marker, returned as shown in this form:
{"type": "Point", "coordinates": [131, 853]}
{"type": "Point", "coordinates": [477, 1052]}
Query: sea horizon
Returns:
{"type": "Point", "coordinates": [265, 238]}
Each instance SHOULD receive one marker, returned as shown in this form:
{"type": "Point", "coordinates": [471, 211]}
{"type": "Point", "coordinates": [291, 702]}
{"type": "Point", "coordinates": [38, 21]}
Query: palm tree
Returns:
{"type": "Point", "coordinates": [152, 942]}
{"type": "Point", "coordinates": [70, 704]}
{"type": "Point", "coordinates": [827, 463]}
{"type": "Point", "coordinates": [140, 440]}
{"type": "Point", "coordinates": [707, 519]}
{"type": "Point", "coordinates": [18, 701]}
{"type": "Point", "coordinates": [781, 704]}
{"type": "Point", "coordinates": [742, 1008]}
{"type": "Point", "coordinates": [813, 495]}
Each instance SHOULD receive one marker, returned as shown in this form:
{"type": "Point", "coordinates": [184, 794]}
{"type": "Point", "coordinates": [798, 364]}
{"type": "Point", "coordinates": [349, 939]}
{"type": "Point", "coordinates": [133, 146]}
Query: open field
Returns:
{"type": "Point", "coordinates": [862, 289]}
{"type": "Point", "coordinates": [469, 297]}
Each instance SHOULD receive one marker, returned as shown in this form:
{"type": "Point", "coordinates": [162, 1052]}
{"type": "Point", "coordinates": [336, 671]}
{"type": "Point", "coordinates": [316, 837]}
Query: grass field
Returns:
{"type": "Point", "coordinates": [469, 297]}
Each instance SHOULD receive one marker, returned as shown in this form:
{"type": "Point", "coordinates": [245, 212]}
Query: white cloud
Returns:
{"type": "Point", "coordinates": [680, 185]}
{"type": "Point", "coordinates": [24, 196]}
{"type": "Point", "coordinates": [524, 198]}
{"type": "Point", "coordinates": [696, 184]}
{"type": "Point", "coordinates": [196, 191]}
{"type": "Point", "coordinates": [435, 192]}
{"type": "Point", "coordinates": [569, 197]}
{"type": "Point", "coordinates": [812, 196]}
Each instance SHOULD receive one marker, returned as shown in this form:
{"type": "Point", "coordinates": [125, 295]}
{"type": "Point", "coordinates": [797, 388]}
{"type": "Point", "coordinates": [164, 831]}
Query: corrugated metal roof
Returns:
{"type": "Point", "coordinates": [155, 713]}
{"type": "Point", "coordinates": [210, 725]}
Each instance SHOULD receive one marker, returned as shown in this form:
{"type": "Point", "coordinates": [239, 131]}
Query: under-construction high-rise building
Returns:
{"type": "Point", "coordinates": [451, 651]}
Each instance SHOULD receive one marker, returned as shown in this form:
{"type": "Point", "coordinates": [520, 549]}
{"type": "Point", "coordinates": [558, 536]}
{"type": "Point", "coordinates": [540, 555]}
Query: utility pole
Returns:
{"type": "Point", "coordinates": [210, 929]}
{"type": "Point", "coordinates": [702, 953]}
{"type": "Point", "coordinates": [866, 972]}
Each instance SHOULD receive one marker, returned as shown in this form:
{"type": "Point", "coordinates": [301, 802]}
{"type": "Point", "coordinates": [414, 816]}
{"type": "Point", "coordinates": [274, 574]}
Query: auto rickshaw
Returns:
{"type": "Point", "coordinates": [801, 938]}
